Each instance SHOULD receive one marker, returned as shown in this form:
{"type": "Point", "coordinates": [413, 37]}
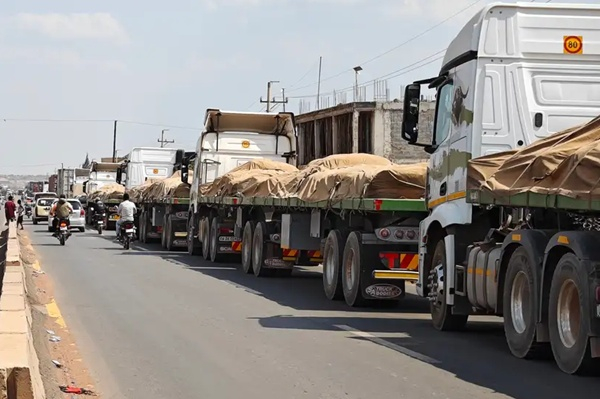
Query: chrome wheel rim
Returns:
{"type": "Point", "coordinates": [519, 302]}
{"type": "Point", "coordinates": [568, 314]}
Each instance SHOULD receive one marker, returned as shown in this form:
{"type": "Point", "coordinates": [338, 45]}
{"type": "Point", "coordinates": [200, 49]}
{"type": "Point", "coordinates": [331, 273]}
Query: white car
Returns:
{"type": "Point", "coordinates": [77, 218]}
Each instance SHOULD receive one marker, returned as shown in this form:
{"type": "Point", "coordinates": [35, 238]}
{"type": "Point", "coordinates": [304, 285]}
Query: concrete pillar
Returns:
{"type": "Point", "coordinates": [317, 149]}
{"type": "Point", "coordinates": [355, 132]}
{"type": "Point", "coordinates": [380, 140]}
{"type": "Point", "coordinates": [334, 135]}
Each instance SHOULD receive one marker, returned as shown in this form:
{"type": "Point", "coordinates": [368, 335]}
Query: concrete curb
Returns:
{"type": "Point", "coordinates": [19, 365]}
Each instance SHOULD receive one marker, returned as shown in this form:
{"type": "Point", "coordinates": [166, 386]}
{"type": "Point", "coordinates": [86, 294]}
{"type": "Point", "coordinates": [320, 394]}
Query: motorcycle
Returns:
{"type": "Point", "coordinates": [28, 212]}
{"type": "Point", "coordinates": [127, 234]}
{"type": "Point", "coordinates": [98, 220]}
{"type": "Point", "coordinates": [63, 233]}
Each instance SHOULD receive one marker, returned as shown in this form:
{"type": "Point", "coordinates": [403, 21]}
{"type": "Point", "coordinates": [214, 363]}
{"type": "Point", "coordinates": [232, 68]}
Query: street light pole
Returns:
{"type": "Point", "coordinates": [162, 140]}
{"type": "Point", "coordinates": [357, 70]}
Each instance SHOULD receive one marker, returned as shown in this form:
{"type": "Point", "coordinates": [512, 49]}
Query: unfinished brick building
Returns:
{"type": "Point", "coordinates": [368, 127]}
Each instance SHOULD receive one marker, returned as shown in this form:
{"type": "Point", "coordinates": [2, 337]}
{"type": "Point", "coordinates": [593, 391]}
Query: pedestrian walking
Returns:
{"type": "Point", "coordinates": [20, 214]}
{"type": "Point", "coordinates": [9, 209]}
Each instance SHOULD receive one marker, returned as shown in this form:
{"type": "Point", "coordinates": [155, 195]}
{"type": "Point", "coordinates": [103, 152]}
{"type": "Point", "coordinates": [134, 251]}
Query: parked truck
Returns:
{"type": "Point", "coordinates": [66, 179]}
{"type": "Point", "coordinates": [515, 73]}
{"type": "Point", "coordinates": [156, 213]}
{"type": "Point", "coordinates": [362, 239]}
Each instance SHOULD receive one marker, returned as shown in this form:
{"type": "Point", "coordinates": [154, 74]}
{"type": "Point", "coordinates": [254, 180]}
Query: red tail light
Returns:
{"type": "Point", "coordinates": [63, 225]}
{"type": "Point", "coordinates": [82, 213]}
{"type": "Point", "coordinates": [225, 230]}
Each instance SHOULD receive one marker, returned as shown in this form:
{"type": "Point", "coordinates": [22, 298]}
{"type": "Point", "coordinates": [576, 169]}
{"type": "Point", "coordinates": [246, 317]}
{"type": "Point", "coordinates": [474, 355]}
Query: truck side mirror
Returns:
{"type": "Point", "coordinates": [119, 175]}
{"type": "Point", "coordinates": [185, 165]}
{"type": "Point", "coordinates": [410, 116]}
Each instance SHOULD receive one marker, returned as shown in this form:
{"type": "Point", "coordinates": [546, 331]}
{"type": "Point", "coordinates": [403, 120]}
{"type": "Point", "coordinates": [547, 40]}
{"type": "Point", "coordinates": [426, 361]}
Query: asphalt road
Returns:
{"type": "Point", "coordinates": [153, 324]}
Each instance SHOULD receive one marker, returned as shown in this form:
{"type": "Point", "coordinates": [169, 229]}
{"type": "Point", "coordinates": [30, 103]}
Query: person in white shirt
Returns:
{"type": "Point", "coordinates": [126, 212]}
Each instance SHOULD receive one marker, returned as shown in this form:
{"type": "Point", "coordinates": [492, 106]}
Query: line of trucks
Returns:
{"type": "Point", "coordinates": [507, 223]}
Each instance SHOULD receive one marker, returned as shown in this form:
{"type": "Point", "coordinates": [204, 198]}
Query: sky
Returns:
{"type": "Point", "coordinates": [71, 67]}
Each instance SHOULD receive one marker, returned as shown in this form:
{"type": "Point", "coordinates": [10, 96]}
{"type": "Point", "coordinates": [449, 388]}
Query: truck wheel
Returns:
{"type": "Point", "coordinates": [333, 255]}
{"type": "Point", "coordinates": [259, 250]}
{"type": "Point", "coordinates": [205, 237]}
{"type": "Point", "coordinates": [247, 238]}
{"type": "Point", "coordinates": [441, 314]}
{"type": "Point", "coordinates": [193, 248]}
{"type": "Point", "coordinates": [215, 256]}
{"type": "Point", "coordinates": [35, 221]}
{"type": "Point", "coordinates": [351, 261]}
{"type": "Point", "coordinates": [569, 317]}
{"type": "Point", "coordinates": [520, 305]}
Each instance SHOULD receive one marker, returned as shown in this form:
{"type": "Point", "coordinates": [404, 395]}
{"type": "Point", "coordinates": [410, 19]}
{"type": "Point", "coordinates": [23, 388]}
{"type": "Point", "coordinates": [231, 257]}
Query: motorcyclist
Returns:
{"type": "Point", "coordinates": [126, 212]}
{"type": "Point", "coordinates": [61, 210]}
{"type": "Point", "coordinates": [98, 209]}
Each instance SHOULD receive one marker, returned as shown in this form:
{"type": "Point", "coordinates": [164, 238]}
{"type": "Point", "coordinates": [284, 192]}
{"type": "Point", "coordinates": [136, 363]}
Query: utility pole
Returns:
{"type": "Point", "coordinates": [115, 143]}
{"type": "Point", "coordinates": [162, 140]}
{"type": "Point", "coordinates": [270, 101]}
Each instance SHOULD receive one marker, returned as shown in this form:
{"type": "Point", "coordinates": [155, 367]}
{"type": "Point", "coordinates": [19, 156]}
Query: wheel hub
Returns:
{"type": "Point", "coordinates": [519, 302]}
{"type": "Point", "coordinates": [436, 285]}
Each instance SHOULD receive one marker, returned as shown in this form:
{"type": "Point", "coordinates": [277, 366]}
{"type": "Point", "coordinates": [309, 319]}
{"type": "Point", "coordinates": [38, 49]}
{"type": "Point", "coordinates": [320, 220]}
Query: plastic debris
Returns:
{"type": "Point", "coordinates": [57, 363]}
{"type": "Point", "coordinates": [76, 390]}
{"type": "Point", "coordinates": [50, 332]}
{"type": "Point", "coordinates": [54, 338]}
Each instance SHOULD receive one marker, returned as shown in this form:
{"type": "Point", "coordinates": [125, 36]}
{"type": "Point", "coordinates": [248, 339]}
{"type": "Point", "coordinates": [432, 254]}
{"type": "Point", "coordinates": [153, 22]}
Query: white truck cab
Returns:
{"type": "Point", "coordinates": [515, 73]}
{"type": "Point", "coordinates": [232, 138]}
{"type": "Point", "coordinates": [144, 163]}
{"type": "Point", "coordinates": [101, 174]}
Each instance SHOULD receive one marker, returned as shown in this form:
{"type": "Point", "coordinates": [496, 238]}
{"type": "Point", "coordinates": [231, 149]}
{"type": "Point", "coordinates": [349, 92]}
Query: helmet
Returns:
{"type": "Point", "coordinates": [62, 196]}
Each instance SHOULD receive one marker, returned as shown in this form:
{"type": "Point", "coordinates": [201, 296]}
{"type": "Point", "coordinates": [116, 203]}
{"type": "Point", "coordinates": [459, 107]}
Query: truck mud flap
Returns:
{"type": "Point", "coordinates": [275, 259]}
{"type": "Point", "coordinates": [379, 288]}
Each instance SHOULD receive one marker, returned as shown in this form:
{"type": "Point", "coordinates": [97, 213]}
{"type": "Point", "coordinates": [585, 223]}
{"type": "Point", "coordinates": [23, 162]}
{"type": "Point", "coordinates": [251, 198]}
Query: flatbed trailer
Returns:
{"type": "Point", "coordinates": [369, 246]}
{"type": "Point", "coordinates": [164, 219]}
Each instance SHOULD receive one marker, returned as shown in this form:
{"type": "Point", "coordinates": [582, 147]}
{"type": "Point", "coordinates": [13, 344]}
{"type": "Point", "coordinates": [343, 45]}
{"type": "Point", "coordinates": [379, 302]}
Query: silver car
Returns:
{"type": "Point", "coordinates": [77, 218]}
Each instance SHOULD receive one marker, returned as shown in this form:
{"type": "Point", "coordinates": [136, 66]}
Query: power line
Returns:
{"type": "Point", "coordinates": [34, 120]}
{"type": "Point", "coordinates": [402, 71]}
{"type": "Point", "coordinates": [393, 48]}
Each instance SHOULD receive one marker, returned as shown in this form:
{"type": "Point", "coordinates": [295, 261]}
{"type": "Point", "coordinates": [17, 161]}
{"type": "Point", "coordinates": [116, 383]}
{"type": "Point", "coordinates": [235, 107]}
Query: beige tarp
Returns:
{"type": "Point", "coordinates": [109, 191]}
{"type": "Point", "coordinates": [171, 187]}
{"type": "Point", "coordinates": [566, 163]}
{"type": "Point", "coordinates": [332, 178]}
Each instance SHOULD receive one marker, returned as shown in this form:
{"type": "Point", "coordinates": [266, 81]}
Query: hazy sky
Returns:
{"type": "Point", "coordinates": [164, 63]}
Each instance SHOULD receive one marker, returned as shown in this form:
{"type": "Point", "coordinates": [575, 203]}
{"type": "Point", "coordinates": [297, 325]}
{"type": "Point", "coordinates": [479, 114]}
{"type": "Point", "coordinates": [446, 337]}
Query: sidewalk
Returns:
{"type": "Point", "coordinates": [19, 366]}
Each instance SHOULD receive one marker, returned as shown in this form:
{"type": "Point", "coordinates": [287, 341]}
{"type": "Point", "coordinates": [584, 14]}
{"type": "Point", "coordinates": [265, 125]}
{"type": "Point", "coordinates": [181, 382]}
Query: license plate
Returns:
{"type": "Point", "coordinates": [62, 228]}
{"type": "Point", "coordinates": [114, 217]}
{"type": "Point", "coordinates": [129, 231]}
{"type": "Point", "coordinates": [181, 234]}
{"type": "Point", "coordinates": [100, 222]}
{"type": "Point", "coordinates": [226, 238]}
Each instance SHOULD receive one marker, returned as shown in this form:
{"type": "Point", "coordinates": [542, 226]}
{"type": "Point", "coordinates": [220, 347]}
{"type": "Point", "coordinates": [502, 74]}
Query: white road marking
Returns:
{"type": "Point", "coordinates": [383, 342]}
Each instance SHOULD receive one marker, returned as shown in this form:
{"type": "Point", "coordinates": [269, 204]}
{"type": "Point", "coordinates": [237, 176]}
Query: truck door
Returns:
{"type": "Point", "coordinates": [437, 192]}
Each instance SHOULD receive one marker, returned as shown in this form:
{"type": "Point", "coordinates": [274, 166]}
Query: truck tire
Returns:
{"type": "Point", "coordinates": [441, 314]}
{"type": "Point", "coordinates": [35, 221]}
{"type": "Point", "coordinates": [215, 256]}
{"type": "Point", "coordinates": [205, 237]}
{"type": "Point", "coordinates": [569, 317]}
{"type": "Point", "coordinates": [520, 306]}
{"type": "Point", "coordinates": [247, 237]}
{"type": "Point", "coordinates": [333, 255]}
{"type": "Point", "coordinates": [193, 248]}
{"type": "Point", "coordinates": [351, 271]}
{"type": "Point", "coordinates": [258, 251]}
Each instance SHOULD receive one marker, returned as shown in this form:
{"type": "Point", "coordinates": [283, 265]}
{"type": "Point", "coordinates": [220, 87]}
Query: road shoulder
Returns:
{"type": "Point", "coordinates": [48, 322]}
